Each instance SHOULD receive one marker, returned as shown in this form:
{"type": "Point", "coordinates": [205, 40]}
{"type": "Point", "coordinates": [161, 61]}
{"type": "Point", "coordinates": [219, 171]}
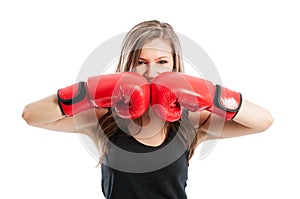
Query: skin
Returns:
{"type": "Point", "coordinates": [155, 58]}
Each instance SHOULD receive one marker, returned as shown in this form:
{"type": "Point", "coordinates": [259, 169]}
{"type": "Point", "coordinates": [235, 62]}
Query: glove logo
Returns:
{"type": "Point", "coordinates": [229, 103]}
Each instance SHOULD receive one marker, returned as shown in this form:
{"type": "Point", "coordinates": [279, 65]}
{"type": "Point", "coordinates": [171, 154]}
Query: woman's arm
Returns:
{"type": "Point", "coordinates": [45, 113]}
{"type": "Point", "coordinates": [250, 119]}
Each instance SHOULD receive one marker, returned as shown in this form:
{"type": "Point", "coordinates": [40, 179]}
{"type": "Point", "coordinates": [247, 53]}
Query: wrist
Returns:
{"type": "Point", "coordinates": [73, 99]}
{"type": "Point", "coordinates": [226, 102]}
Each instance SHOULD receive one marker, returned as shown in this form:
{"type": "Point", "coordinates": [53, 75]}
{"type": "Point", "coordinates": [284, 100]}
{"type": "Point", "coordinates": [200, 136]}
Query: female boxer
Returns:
{"type": "Point", "coordinates": [150, 116]}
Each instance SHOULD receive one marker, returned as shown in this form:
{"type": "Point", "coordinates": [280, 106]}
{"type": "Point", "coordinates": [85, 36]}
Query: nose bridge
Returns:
{"type": "Point", "coordinates": [151, 70]}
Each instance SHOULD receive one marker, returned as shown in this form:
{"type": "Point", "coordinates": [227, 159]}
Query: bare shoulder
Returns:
{"type": "Point", "coordinates": [87, 122]}
{"type": "Point", "coordinates": [198, 120]}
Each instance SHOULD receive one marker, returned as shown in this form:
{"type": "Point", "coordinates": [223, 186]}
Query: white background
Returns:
{"type": "Point", "coordinates": [254, 44]}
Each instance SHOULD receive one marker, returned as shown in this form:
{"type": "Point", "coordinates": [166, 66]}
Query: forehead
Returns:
{"type": "Point", "coordinates": [157, 46]}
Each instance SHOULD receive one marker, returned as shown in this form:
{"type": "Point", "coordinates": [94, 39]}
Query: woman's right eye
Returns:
{"type": "Point", "coordinates": [141, 62]}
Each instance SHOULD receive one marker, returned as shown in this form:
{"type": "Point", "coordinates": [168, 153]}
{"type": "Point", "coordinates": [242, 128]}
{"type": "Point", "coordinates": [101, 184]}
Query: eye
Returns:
{"type": "Point", "coordinates": [163, 62]}
{"type": "Point", "coordinates": [141, 62]}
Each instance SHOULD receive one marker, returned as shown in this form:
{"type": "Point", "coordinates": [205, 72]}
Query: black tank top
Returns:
{"type": "Point", "coordinates": [133, 170]}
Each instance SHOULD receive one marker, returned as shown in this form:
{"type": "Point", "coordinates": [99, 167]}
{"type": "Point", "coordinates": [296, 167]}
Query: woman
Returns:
{"type": "Point", "coordinates": [151, 50]}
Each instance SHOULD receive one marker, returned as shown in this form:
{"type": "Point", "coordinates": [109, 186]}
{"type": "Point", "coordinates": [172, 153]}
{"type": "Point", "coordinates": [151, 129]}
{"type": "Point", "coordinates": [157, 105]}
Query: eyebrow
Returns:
{"type": "Point", "coordinates": [156, 58]}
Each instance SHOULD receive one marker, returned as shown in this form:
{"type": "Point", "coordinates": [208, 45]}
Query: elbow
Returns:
{"type": "Point", "coordinates": [27, 115]}
{"type": "Point", "coordinates": [267, 121]}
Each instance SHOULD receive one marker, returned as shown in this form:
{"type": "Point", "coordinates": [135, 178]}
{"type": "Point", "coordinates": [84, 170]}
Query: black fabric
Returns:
{"type": "Point", "coordinates": [166, 182]}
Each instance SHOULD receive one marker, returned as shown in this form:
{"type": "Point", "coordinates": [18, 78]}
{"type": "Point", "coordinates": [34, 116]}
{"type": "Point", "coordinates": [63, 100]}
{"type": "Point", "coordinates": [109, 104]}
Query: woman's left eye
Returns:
{"type": "Point", "coordinates": [163, 62]}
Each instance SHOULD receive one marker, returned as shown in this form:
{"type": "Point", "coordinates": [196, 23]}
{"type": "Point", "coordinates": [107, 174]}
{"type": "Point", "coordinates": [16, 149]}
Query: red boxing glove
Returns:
{"type": "Point", "coordinates": [128, 93]}
{"type": "Point", "coordinates": [171, 90]}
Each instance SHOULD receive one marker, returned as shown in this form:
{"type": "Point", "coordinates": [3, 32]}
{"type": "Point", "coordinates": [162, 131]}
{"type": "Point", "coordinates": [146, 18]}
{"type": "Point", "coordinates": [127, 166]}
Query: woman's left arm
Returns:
{"type": "Point", "coordinates": [250, 119]}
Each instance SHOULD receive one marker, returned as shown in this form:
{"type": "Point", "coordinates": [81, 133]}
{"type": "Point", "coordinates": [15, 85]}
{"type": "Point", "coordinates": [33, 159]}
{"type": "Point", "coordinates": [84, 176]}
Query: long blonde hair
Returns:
{"type": "Point", "coordinates": [145, 32]}
{"type": "Point", "coordinates": [133, 42]}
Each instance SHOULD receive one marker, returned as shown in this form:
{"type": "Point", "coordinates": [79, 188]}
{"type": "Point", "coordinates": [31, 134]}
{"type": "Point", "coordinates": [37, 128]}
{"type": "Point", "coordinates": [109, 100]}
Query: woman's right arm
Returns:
{"type": "Point", "coordinates": [45, 113]}
{"type": "Point", "coordinates": [76, 100]}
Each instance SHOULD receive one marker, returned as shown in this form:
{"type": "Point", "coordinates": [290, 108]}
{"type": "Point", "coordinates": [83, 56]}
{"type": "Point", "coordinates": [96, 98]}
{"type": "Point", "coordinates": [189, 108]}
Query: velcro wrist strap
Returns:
{"type": "Point", "coordinates": [228, 101]}
{"type": "Point", "coordinates": [73, 99]}
{"type": "Point", "coordinates": [79, 96]}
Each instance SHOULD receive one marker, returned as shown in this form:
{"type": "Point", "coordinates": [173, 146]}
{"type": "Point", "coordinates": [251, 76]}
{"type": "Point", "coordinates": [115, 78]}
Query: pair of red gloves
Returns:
{"type": "Point", "coordinates": [130, 94]}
